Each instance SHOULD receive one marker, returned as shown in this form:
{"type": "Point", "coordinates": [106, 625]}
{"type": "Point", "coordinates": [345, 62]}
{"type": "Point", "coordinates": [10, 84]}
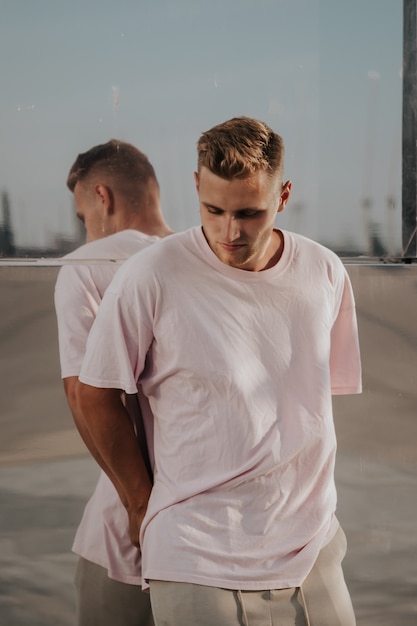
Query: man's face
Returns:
{"type": "Point", "coordinates": [238, 217]}
{"type": "Point", "coordinates": [90, 212]}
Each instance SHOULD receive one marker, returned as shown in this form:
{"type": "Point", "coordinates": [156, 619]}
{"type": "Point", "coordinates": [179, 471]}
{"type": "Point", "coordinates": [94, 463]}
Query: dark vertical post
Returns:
{"type": "Point", "coordinates": [409, 134]}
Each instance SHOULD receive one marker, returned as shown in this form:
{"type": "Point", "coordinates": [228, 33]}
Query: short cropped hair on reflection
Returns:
{"type": "Point", "coordinates": [240, 147]}
{"type": "Point", "coordinates": [115, 161]}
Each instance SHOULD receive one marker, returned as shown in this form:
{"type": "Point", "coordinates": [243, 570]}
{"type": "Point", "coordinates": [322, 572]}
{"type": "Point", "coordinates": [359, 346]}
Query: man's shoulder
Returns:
{"type": "Point", "coordinates": [166, 258]}
{"type": "Point", "coordinates": [313, 247]}
{"type": "Point", "coordinates": [96, 262]}
{"type": "Point", "coordinates": [117, 246]}
{"type": "Point", "coordinates": [315, 261]}
{"type": "Point", "coordinates": [167, 248]}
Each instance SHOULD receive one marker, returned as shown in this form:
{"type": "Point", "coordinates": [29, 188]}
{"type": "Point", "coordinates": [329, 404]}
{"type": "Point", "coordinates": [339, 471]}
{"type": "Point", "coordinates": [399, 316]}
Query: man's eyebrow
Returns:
{"type": "Point", "coordinates": [211, 206]}
{"type": "Point", "coordinates": [246, 208]}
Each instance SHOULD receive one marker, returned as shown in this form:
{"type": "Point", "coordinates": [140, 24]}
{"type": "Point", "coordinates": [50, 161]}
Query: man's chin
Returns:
{"type": "Point", "coordinates": [232, 259]}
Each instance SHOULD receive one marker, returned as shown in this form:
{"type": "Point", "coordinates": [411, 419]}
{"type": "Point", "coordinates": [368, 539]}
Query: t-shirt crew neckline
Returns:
{"type": "Point", "coordinates": [245, 275]}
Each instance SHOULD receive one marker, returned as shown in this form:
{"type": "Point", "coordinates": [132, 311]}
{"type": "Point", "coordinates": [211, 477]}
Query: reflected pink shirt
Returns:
{"type": "Point", "coordinates": [103, 534]}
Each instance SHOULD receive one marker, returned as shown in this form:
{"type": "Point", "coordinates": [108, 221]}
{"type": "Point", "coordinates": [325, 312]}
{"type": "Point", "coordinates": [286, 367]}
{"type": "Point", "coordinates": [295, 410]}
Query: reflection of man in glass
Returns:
{"type": "Point", "coordinates": [117, 197]}
{"type": "Point", "coordinates": [239, 333]}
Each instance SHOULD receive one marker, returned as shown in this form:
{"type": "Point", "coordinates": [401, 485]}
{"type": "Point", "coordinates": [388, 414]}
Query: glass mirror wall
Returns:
{"type": "Point", "coordinates": [324, 74]}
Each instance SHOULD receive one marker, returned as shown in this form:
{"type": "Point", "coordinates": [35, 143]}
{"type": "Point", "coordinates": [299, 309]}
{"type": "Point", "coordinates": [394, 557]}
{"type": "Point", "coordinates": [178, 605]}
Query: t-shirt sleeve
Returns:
{"type": "Point", "coordinates": [345, 363]}
{"type": "Point", "coordinates": [120, 336]}
{"type": "Point", "coordinates": [76, 303]}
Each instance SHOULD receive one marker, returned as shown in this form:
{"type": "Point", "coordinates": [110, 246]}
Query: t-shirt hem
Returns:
{"type": "Point", "coordinates": [70, 373]}
{"type": "Point", "coordinates": [258, 585]}
{"type": "Point", "coordinates": [340, 391]}
{"type": "Point", "coordinates": [121, 578]}
{"type": "Point", "coordinates": [107, 384]}
{"type": "Point", "coordinates": [223, 583]}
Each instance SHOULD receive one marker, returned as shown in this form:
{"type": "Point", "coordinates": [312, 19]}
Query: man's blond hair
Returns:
{"type": "Point", "coordinates": [240, 147]}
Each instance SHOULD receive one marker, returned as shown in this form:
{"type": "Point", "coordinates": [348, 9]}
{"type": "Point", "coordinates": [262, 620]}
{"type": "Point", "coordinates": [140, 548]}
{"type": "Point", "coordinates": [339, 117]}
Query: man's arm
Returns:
{"type": "Point", "coordinates": [70, 387]}
{"type": "Point", "coordinates": [111, 432]}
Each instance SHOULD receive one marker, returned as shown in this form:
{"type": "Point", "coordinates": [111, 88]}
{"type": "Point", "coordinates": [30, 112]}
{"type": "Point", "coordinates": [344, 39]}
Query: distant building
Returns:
{"type": "Point", "coordinates": [60, 245]}
{"type": "Point", "coordinates": [7, 247]}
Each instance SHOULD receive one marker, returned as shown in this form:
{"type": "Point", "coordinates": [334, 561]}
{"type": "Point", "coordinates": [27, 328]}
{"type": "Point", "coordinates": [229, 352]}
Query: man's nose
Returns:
{"type": "Point", "coordinates": [231, 229]}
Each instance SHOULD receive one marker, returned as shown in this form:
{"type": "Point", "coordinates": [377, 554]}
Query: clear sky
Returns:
{"type": "Point", "coordinates": [325, 74]}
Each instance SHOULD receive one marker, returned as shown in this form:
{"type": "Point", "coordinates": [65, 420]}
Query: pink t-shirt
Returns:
{"type": "Point", "coordinates": [239, 368]}
{"type": "Point", "coordinates": [103, 534]}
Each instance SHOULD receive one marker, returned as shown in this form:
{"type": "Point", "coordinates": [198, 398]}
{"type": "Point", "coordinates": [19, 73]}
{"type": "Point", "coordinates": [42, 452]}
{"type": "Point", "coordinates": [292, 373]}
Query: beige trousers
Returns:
{"type": "Point", "coordinates": [323, 599]}
{"type": "Point", "coordinates": [102, 601]}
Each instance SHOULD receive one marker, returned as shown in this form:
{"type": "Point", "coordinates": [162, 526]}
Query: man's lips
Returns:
{"type": "Point", "coordinates": [231, 247]}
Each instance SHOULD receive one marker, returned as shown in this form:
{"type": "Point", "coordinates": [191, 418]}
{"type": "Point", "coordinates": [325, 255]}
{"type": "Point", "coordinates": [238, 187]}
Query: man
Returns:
{"type": "Point", "coordinates": [239, 333]}
{"type": "Point", "coordinates": [117, 197]}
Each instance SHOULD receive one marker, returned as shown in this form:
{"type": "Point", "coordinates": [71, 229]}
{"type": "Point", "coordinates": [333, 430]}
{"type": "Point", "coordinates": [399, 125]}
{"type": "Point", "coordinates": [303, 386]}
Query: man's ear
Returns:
{"type": "Point", "coordinates": [104, 197]}
{"type": "Point", "coordinates": [196, 181]}
{"type": "Point", "coordinates": [285, 195]}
